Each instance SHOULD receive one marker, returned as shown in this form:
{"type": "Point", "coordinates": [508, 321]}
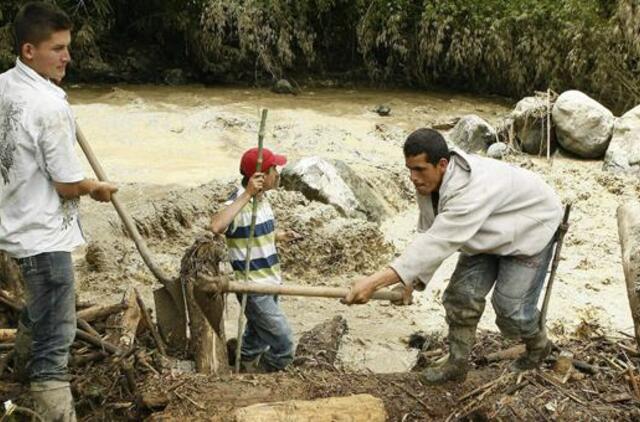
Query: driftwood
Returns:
{"type": "Point", "coordinates": [629, 233]}
{"type": "Point", "coordinates": [123, 334]}
{"type": "Point", "coordinates": [100, 311]}
{"type": "Point", "coordinates": [361, 407]}
{"type": "Point", "coordinates": [98, 342]}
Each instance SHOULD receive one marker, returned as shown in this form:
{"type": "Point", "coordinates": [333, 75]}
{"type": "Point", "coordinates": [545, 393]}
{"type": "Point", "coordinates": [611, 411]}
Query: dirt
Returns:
{"type": "Point", "coordinates": [174, 153]}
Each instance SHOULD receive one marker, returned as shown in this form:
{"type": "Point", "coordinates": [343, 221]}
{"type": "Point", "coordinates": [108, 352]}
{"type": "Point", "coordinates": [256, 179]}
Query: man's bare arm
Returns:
{"type": "Point", "coordinates": [99, 191]}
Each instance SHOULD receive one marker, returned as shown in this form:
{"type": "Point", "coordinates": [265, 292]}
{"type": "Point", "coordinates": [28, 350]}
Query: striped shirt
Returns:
{"type": "Point", "coordinates": [265, 264]}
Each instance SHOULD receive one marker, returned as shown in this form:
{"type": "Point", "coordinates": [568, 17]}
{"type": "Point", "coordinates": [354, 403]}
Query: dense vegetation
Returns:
{"type": "Point", "coordinates": [509, 47]}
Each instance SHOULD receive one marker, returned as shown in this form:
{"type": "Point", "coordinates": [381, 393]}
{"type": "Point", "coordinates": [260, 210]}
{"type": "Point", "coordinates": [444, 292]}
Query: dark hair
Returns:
{"type": "Point", "coordinates": [36, 21]}
{"type": "Point", "coordinates": [426, 141]}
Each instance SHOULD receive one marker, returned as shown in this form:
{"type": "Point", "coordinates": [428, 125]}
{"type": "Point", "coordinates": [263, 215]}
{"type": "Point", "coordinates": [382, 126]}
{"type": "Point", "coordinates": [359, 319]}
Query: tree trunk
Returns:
{"type": "Point", "coordinates": [208, 342]}
{"type": "Point", "coordinates": [357, 408]}
{"type": "Point", "coordinates": [629, 232]}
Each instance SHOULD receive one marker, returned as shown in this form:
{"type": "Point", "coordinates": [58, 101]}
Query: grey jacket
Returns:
{"type": "Point", "coordinates": [485, 206]}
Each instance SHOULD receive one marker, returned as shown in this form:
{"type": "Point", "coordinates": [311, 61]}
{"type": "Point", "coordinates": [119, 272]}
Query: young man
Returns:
{"type": "Point", "coordinates": [502, 219]}
{"type": "Point", "coordinates": [267, 344]}
{"type": "Point", "coordinates": [41, 180]}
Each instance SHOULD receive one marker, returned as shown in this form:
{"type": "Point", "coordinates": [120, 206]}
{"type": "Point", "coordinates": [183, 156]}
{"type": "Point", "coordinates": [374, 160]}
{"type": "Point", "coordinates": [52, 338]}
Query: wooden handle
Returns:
{"type": "Point", "coordinates": [122, 212]}
{"type": "Point", "coordinates": [308, 291]}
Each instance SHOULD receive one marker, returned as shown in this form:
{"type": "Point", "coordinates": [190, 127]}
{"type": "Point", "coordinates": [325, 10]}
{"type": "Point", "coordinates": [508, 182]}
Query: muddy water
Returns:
{"type": "Point", "coordinates": [190, 135]}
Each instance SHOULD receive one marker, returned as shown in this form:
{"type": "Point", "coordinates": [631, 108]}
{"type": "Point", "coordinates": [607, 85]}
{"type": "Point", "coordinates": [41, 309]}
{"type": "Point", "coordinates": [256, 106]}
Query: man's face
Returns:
{"type": "Point", "coordinates": [425, 176]}
{"type": "Point", "coordinates": [50, 57]}
{"type": "Point", "coordinates": [271, 178]}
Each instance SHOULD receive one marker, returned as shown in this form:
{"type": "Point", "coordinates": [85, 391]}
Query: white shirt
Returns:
{"type": "Point", "coordinates": [37, 138]}
{"type": "Point", "coordinates": [486, 206]}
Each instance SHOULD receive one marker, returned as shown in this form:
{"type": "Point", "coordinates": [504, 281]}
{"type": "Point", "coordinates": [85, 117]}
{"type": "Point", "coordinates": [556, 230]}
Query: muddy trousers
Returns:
{"type": "Point", "coordinates": [267, 334]}
{"type": "Point", "coordinates": [49, 316]}
{"type": "Point", "coordinates": [516, 281]}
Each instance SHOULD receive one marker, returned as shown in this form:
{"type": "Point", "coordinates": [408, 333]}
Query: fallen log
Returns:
{"type": "Point", "coordinates": [356, 408]}
{"type": "Point", "coordinates": [629, 233]}
{"type": "Point", "coordinates": [506, 354]}
{"type": "Point", "coordinates": [96, 341]}
{"type": "Point", "coordinates": [123, 332]}
{"type": "Point", "coordinates": [100, 311]}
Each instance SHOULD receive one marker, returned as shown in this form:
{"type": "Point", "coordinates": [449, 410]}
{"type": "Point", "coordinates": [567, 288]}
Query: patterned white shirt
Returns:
{"type": "Point", "coordinates": [37, 139]}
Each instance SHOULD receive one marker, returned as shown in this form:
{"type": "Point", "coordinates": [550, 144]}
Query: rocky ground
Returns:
{"type": "Point", "coordinates": [373, 354]}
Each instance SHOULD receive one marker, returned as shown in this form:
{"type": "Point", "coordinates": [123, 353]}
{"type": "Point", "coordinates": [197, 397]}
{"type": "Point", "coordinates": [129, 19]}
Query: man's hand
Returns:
{"type": "Point", "coordinates": [407, 297]}
{"type": "Point", "coordinates": [102, 191]}
{"type": "Point", "coordinates": [360, 291]}
{"type": "Point", "coordinates": [256, 184]}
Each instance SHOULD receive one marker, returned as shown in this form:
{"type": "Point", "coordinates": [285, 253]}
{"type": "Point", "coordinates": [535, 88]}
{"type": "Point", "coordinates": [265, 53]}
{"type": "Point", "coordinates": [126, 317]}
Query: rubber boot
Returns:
{"type": "Point", "coordinates": [22, 347]}
{"type": "Point", "coordinates": [53, 401]}
{"type": "Point", "coordinates": [456, 366]}
{"type": "Point", "coordinates": [537, 347]}
{"type": "Point", "coordinates": [251, 366]}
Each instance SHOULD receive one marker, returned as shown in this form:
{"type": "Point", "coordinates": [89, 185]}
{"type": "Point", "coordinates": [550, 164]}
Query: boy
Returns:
{"type": "Point", "coordinates": [267, 344]}
{"type": "Point", "coordinates": [41, 180]}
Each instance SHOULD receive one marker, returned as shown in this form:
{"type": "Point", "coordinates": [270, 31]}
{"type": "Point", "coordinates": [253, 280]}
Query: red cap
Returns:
{"type": "Point", "coordinates": [250, 160]}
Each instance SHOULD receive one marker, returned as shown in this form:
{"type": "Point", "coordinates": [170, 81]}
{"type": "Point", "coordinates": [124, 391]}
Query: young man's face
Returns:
{"type": "Point", "coordinates": [425, 176]}
{"type": "Point", "coordinates": [271, 178]}
{"type": "Point", "coordinates": [50, 57]}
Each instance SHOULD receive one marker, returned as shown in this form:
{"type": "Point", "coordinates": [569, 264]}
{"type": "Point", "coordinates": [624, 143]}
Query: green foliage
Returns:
{"type": "Point", "coordinates": [510, 47]}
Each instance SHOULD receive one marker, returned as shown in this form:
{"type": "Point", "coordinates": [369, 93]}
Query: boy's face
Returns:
{"type": "Point", "coordinates": [49, 58]}
{"type": "Point", "coordinates": [271, 178]}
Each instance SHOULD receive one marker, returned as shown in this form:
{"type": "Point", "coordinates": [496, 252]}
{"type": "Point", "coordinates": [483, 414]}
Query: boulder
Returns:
{"type": "Point", "coordinates": [497, 150]}
{"type": "Point", "coordinates": [473, 134]}
{"type": "Point", "coordinates": [319, 180]}
{"type": "Point", "coordinates": [283, 86]}
{"type": "Point", "coordinates": [623, 153]}
{"type": "Point", "coordinates": [583, 126]}
{"type": "Point", "coordinates": [529, 120]}
{"type": "Point", "coordinates": [335, 183]}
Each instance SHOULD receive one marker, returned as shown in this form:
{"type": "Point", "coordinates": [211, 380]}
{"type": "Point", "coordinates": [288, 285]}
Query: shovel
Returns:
{"type": "Point", "coordinates": [170, 299]}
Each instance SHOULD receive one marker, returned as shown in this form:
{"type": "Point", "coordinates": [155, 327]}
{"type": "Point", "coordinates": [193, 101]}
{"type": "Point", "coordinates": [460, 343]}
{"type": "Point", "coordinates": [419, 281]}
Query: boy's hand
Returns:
{"type": "Point", "coordinates": [256, 184]}
{"type": "Point", "coordinates": [288, 236]}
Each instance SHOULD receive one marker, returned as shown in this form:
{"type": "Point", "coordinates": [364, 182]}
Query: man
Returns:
{"type": "Point", "coordinates": [267, 344]}
{"type": "Point", "coordinates": [502, 219]}
{"type": "Point", "coordinates": [41, 181]}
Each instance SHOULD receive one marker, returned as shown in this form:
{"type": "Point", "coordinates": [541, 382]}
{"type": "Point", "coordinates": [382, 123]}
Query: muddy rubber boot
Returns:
{"type": "Point", "coordinates": [251, 366]}
{"type": "Point", "coordinates": [22, 347]}
{"type": "Point", "coordinates": [456, 366]}
{"type": "Point", "coordinates": [538, 348]}
{"type": "Point", "coordinates": [53, 401]}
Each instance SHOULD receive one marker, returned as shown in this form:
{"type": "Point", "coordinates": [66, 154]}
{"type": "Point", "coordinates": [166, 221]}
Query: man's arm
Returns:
{"type": "Point", "coordinates": [222, 220]}
{"type": "Point", "coordinates": [362, 289]}
{"type": "Point", "coordinates": [99, 191]}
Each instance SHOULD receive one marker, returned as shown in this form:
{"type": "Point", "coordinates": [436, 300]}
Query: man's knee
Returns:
{"type": "Point", "coordinates": [462, 307]}
{"type": "Point", "coordinates": [512, 317]}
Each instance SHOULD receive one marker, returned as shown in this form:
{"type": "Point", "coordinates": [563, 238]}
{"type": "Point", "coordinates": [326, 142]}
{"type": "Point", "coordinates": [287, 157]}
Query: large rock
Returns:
{"type": "Point", "coordinates": [473, 134]}
{"type": "Point", "coordinates": [319, 180]}
{"type": "Point", "coordinates": [529, 120]}
{"type": "Point", "coordinates": [583, 125]}
{"type": "Point", "coordinates": [283, 86]}
{"type": "Point", "coordinates": [623, 154]}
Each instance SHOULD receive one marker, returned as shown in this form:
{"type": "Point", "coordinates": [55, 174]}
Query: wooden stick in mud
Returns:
{"type": "Point", "coordinates": [227, 286]}
{"type": "Point", "coordinates": [629, 233]}
{"type": "Point", "coordinates": [97, 341]}
{"type": "Point", "coordinates": [100, 311]}
{"type": "Point", "coordinates": [252, 228]}
{"type": "Point", "coordinates": [122, 212]}
{"type": "Point", "coordinates": [562, 230]}
{"type": "Point", "coordinates": [149, 323]}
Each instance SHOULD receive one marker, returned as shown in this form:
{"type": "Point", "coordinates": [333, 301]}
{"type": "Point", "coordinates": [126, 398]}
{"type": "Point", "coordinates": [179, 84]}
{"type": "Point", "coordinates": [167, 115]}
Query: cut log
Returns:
{"type": "Point", "coordinates": [208, 341]}
{"type": "Point", "coordinates": [629, 233]}
{"type": "Point", "coordinates": [507, 354]}
{"type": "Point", "coordinates": [123, 334]}
{"type": "Point", "coordinates": [361, 407]}
{"type": "Point", "coordinates": [7, 335]}
{"type": "Point", "coordinates": [100, 311]}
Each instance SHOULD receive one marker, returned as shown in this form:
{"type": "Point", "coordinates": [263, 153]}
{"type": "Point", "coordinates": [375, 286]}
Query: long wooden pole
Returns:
{"type": "Point", "coordinates": [122, 212]}
{"type": "Point", "coordinates": [289, 290]}
{"type": "Point", "coordinates": [254, 211]}
{"type": "Point", "coordinates": [562, 230]}
{"type": "Point", "coordinates": [629, 232]}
